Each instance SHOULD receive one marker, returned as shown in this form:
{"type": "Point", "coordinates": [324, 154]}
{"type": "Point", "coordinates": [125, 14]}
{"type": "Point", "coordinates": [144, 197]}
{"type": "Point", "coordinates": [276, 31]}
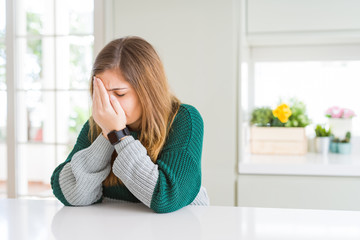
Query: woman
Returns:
{"type": "Point", "coordinates": [141, 144]}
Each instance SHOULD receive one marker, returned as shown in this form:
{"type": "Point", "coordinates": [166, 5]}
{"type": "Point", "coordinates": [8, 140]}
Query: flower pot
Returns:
{"type": "Point", "coordinates": [339, 126]}
{"type": "Point", "coordinates": [334, 147]}
{"type": "Point", "coordinates": [322, 144]}
{"type": "Point", "coordinates": [278, 140]}
{"type": "Point", "coordinates": [344, 148]}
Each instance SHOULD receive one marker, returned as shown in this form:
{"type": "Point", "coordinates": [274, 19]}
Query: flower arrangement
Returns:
{"type": "Point", "coordinates": [284, 115]}
{"type": "Point", "coordinates": [337, 112]}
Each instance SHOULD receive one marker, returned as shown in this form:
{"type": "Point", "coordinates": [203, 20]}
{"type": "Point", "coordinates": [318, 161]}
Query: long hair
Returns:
{"type": "Point", "coordinates": [141, 66]}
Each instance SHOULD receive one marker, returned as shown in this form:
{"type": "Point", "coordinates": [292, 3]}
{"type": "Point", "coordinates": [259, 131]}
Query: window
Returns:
{"type": "Point", "coordinates": [3, 101]}
{"type": "Point", "coordinates": [319, 84]}
{"type": "Point", "coordinates": [54, 54]}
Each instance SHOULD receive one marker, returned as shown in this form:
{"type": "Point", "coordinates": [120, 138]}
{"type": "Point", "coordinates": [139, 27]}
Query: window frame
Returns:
{"type": "Point", "coordinates": [13, 174]}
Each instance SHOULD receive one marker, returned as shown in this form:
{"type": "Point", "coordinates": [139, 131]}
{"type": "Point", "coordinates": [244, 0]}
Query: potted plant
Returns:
{"type": "Point", "coordinates": [344, 146]}
{"type": "Point", "coordinates": [334, 145]}
{"type": "Point", "coordinates": [281, 130]}
{"type": "Point", "coordinates": [340, 120]}
{"type": "Point", "coordinates": [322, 140]}
{"type": "Point", "coordinates": [261, 117]}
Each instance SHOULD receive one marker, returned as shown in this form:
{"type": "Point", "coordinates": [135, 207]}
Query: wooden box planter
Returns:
{"type": "Point", "coordinates": [278, 140]}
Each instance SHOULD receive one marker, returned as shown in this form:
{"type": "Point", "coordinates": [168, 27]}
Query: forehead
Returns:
{"type": "Point", "coordinates": [113, 79]}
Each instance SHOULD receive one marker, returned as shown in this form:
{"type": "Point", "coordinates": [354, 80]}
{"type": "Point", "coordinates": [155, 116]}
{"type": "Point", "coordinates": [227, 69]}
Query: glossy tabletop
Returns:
{"type": "Point", "coordinates": [49, 219]}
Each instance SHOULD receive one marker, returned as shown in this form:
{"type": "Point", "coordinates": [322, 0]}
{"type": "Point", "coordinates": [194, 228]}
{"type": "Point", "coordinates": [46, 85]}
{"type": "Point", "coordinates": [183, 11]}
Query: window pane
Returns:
{"type": "Point", "coordinates": [36, 116]}
{"type": "Point", "coordinates": [3, 111]}
{"type": "Point", "coordinates": [34, 17]}
{"type": "Point", "coordinates": [72, 112]}
{"type": "Point", "coordinates": [37, 57]}
{"type": "Point", "coordinates": [319, 85]}
{"type": "Point", "coordinates": [2, 18]}
{"type": "Point", "coordinates": [62, 152]}
{"type": "Point", "coordinates": [74, 17]}
{"type": "Point", "coordinates": [2, 66]}
{"type": "Point", "coordinates": [3, 147]}
{"type": "Point", "coordinates": [33, 157]}
{"type": "Point", "coordinates": [74, 61]}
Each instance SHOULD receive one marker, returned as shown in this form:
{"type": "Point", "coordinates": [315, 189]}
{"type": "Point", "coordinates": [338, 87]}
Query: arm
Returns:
{"type": "Point", "coordinates": [175, 180]}
{"type": "Point", "coordinates": [78, 181]}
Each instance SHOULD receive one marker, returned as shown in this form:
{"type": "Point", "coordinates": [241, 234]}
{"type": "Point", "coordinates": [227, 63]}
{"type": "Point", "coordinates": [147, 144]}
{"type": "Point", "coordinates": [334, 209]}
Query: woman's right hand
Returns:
{"type": "Point", "coordinates": [106, 111]}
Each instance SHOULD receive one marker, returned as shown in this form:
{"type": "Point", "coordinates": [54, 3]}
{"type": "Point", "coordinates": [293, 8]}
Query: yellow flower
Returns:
{"type": "Point", "coordinates": [282, 112]}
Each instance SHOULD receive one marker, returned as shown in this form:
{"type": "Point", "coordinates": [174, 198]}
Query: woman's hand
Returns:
{"type": "Point", "coordinates": [106, 111]}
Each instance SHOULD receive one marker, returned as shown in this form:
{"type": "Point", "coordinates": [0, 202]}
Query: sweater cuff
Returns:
{"type": "Point", "coordinates": [97, 156]}
{"type": "Point", "coordinates": [135, 169]}
{"type": "Point", "coordinates": [123, 143]}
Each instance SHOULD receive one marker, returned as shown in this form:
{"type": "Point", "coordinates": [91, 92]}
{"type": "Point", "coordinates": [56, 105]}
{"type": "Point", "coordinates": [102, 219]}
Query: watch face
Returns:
{"type": "Point", "coordinates": [115, 136]}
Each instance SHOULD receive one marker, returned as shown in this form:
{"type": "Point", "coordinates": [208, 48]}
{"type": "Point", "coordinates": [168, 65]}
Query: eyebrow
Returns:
{"type": "Point", "coordinates": [115, 89]}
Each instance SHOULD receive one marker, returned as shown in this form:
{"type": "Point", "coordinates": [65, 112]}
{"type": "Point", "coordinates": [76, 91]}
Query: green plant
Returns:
{"type": "Point", "coordinates": [262, 116]}
{"type": "Point", "coordinates": [298, 117]}
{"type": "Point", "coordinates": [347, 138]}
{"type": "Point", "coordinates": [321, 131]}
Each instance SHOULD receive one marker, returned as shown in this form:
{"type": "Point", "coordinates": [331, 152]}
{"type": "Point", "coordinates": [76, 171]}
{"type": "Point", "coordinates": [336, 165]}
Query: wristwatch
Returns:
{"type": "Point", "coordinates": [116, 136]}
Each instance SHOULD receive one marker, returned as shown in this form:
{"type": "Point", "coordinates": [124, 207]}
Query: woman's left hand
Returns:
{"type": "Point", "coordinates": [106, 111]}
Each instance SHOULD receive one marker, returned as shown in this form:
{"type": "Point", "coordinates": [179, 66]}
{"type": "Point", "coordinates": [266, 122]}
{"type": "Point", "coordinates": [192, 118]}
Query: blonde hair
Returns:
{"type": "Point", "coordinates": [141, 66]}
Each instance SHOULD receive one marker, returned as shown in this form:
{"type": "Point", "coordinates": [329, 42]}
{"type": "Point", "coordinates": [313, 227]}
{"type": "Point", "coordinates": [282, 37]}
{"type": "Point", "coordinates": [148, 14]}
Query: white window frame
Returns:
{"type": "Point", "coordinates": [12, 88]}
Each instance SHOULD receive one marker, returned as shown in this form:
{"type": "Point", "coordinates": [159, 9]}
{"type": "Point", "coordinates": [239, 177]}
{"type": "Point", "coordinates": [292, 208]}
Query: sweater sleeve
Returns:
{"type": "Point", "coordinates": [175, 180]}
{"type": "Point", "coordinates": [78, 181]}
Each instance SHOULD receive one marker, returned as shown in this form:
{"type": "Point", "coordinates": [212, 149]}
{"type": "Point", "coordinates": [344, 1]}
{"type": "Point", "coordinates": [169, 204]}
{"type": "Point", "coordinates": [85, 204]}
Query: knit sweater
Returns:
{"type": "Point", "coordinates": [173, 182]}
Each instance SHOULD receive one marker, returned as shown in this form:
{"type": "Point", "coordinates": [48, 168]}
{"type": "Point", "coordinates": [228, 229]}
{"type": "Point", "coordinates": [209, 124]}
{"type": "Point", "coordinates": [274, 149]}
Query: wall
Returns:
{"type": "Point", "coordinates": [305, 192]}
{"type": "Point", "coordinates": [197, 43]}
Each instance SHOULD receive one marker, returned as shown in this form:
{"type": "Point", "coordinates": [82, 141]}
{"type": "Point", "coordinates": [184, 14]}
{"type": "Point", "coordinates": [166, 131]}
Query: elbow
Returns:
{"type": "Point", "coordinates": [167, 206]}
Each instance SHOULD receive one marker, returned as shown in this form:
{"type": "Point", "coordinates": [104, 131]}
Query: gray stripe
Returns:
{"type": "Point", "coordinates": [81, 179]}
{"type": "Point", "coordinates": [135, 169]}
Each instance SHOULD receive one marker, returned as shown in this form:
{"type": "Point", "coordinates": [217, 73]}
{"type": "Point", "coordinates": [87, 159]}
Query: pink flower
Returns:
{"type": "Point", "coordinates": [337, 112]}
{"type": "Point", "coordinates": [348, 113]}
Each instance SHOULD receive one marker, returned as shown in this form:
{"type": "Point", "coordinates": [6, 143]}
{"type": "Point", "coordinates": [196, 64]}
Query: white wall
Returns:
{"type": "Point", "coordinates": [302, 22]}
{"type": "Point", "coordinates": [197, 43]}
{"type": "Point", "coordinates": [304, 192]}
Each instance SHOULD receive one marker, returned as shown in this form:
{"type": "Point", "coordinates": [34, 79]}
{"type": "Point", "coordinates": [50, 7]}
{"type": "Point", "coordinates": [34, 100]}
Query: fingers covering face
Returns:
{"type": "Point", "coordinates": [103, 95]}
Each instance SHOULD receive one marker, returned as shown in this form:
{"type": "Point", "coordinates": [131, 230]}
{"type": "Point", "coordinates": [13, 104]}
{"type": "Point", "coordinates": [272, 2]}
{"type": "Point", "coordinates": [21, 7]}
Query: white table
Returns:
{"type": "Point", "coordinates": [48, 219]}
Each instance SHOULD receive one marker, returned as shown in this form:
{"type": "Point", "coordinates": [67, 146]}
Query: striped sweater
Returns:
{"type": "Point", "coordinates": [170, 184]}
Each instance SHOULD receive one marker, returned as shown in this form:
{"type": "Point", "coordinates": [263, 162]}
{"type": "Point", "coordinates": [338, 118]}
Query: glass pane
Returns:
{"type": "Point", "coordinates": [62, 153]}
{"type": "Point", "coordinates": [72, 112]}
{"type": "Point", "coordinates": [36, 164]}
{"type": "Point", "coordinates": [34, 17]}
{"type": "Point", "coordinates": [3, 147]}
{"type": "Point", "coordinates": [36, 116]}
{"type": "Point", "coordinates": [2, 18]}
{"type": "Point", "coordinates": [74, 62]}
{"type": "Point", "coordinates": [37, 57]}
{"type": "Point", "coordinates": [320, 85]}
{"type": "Point", "coordinates": [74, 17]}
{"type": "Point", "coordinates": [3, 115]}
{"type": "Point", "coordinates": [2, 66]}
